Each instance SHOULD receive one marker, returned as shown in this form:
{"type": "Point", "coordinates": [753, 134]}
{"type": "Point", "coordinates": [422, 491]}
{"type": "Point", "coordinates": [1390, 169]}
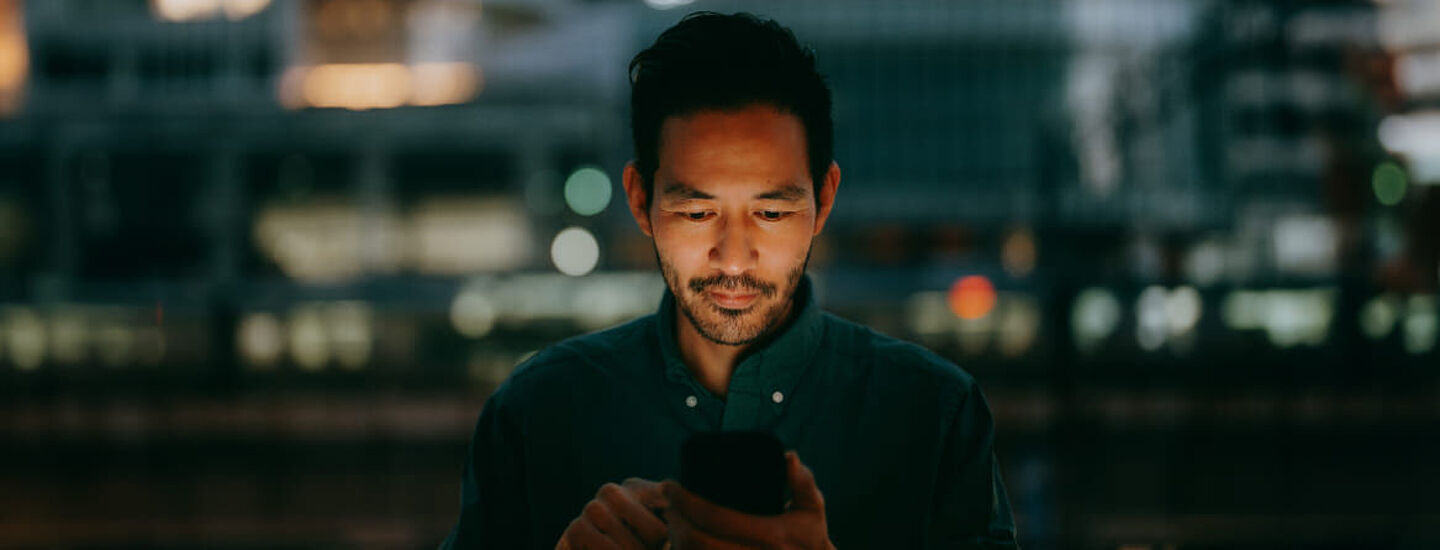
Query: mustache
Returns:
{"type": "Point", "coordinates": [732, 283]}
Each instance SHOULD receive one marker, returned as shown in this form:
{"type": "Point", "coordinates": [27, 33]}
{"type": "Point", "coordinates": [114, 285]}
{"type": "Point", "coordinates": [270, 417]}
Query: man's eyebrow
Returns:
{"type": "Point", "coordinates": [789, 192]}
{"type": "Point", "coordinates": [682, 191]}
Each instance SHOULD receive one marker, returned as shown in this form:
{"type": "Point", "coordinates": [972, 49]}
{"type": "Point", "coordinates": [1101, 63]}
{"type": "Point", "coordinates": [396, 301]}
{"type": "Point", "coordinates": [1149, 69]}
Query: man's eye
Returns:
{"type": "Point", "coordinates": [772, 214]}
{"type": "Point", "coordinates": [697, 216]}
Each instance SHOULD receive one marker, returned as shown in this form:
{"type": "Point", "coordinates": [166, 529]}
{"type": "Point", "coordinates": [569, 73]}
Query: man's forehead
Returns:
{"type": "Point", "coordinates": [784, 191]}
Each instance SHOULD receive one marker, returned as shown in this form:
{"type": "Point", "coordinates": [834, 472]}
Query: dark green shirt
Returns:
{"type": "Point", "coordinates": [900, 440]}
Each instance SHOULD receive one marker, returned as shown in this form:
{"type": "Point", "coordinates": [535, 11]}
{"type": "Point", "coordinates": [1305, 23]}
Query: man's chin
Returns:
{"type": "Point", "coordinates": [730, 339]}
{"type": "Point", "coordinates": [731, 327]}
{"type": "Point", "coordinates": [727, 313]}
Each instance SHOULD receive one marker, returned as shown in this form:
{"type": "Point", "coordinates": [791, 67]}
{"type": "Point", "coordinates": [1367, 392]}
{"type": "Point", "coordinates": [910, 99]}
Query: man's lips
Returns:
{"type": "Point", "coordinates": [732, 300]}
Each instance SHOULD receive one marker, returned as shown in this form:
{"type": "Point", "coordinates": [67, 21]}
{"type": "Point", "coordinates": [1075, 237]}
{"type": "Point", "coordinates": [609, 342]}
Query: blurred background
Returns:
{"type": "Point", "coordinates": [262, 261]}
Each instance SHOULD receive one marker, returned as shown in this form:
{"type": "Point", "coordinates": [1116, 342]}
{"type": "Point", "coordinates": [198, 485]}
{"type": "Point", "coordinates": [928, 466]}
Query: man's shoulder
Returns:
{"type": "Point", "coordinates": [895, 356]}
{"type": "Point", "coordinates": [601, 350]}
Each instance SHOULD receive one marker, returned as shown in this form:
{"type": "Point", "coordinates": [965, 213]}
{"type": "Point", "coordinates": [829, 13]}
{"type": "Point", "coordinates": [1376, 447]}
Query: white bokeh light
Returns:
{"type": "Point", "coordinates": [1421, 325]}
{"type": "Point", "coordinates": [309, 345]}
{"type": "Point", "coordinates": [1183, 309]}
{"type": "Point", "coordinates": [667, 4]}
{"type": "Point", "coordinates": [1094, 318]}
{"type": "Point", "coordinates": [26, 339]}
{"type": "Point", "coordinates": [473, 313]}
{"type": "Point", "coordinates": [575, 251]}
{"type": "Point", "coordinates": [1377, 316]}
{"type": "Point", "coordinates": [350, 328]}
{"type": "Point", "coordinates": [1152, 317]}
{"type": "Point", "coordinates": [262, 340]}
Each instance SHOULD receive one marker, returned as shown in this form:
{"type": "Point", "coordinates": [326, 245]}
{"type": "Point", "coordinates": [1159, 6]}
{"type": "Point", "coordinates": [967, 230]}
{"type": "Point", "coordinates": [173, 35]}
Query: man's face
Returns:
{"type": "Point", "coordinates": [733, 214]}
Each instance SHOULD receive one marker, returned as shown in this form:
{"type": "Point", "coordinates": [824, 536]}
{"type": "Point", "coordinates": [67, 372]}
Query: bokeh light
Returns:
{"type": "Point", "coordinates": [69, 337]}
{"type": "Point", "coordinates": [587, 191]}
{"type": "Point", "coordinates": [357, 86]}
{"type": "Point", "coordinates": [1093, 318]}
{"type": "Point", "coordinates": [14, 58]}
{"type": "Point", "coordinates": [575, 252]}
{"type": "Point", "coordinates": [261, 340]}
{"type": "Point", "coordinates": [972, 297]}
{"type": "Point", "coordinates": [199, 10]}
{"type": "Point", "coordinates": [185, 10]}
{"type": "Point", "coordinates": [1183, 309]}
{"type": "Point", "coordinates": [364, 86]}
{"type": "Point", "coordinates": [1389, 181]}
{"type": "Point", "coordinates": [350, 333]}
{"type": "Point", "coordinates": [1018, 253]}
{"type": "Point", "coordinates": [1205, 263]}
{"type": "Point", "coordinates": [309, 345]}
{"type": "Point", "coordinates": [472, 313]}
{"type": "Point", "coordinates": [1377, 317]}
{"type": "Point", "coordinates": [1152, 318]}
{"type": "Point", "coordinates": [1288, 317]}
{"type": "Point", "coordinates": [1019, 325]}
{"type": "Point", "coordinates": [25, 338]}
{"type": "Point", "coordinates": [667, 4]}
{"type": "Point", "coordinates": [1421, 325]}
{"type": "Point", "coordinates": [240, 9]}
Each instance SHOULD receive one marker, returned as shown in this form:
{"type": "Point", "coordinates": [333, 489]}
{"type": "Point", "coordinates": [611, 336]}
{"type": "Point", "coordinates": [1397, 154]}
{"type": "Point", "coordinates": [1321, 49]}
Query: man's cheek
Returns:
{"type": "Point", "coordinates": [683, 259]}
{"type": "Point", "coordinates": [684, 248]}
{"type": "Point", "coordinates": [781, 257]}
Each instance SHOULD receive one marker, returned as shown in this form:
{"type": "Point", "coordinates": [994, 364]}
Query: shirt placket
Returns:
{"type": "Point", "coordinates": [743, 406]}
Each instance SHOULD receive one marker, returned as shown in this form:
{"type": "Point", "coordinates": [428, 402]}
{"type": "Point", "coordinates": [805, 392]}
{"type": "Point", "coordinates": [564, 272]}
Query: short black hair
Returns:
{"type": "Point", "coordinates": [712, 61]}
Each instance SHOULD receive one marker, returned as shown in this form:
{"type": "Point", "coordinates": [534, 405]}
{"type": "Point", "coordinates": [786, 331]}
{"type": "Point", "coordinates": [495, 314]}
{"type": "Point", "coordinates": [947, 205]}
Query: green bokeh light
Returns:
{"type": "Point", "coordinates": [587, 191]}
{"type": "Point", "coordinates": [1389, 182]}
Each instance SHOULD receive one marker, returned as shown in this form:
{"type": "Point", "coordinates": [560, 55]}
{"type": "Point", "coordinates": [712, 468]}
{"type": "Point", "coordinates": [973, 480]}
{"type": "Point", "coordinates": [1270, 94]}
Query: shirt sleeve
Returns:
{"type": "Point", "coordinates": [971, 509]}
{"type": "Point", "coordinates": [494, 510]}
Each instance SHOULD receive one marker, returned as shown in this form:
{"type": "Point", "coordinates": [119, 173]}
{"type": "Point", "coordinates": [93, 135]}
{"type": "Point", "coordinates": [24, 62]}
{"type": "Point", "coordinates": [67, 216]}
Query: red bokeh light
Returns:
{"type": "Point", "coordinates": [972, 297]}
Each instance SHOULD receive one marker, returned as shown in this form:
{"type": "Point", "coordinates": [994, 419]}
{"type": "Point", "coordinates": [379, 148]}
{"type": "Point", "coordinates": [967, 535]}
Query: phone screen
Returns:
{"type": "Point", "coordinates": [744, 471]}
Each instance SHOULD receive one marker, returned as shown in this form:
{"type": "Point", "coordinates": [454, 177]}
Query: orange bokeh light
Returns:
{"type": "Point", "coordinates": [972, 297]}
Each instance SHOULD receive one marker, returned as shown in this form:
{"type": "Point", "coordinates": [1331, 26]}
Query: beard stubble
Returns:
{"type": "Point", "coordinates": [734, 327]}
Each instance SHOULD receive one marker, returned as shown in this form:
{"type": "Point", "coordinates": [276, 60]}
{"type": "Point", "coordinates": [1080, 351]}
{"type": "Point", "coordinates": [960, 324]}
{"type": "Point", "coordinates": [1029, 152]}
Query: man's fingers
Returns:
{"type": "Point", "coordinates": [626, 505]}
{"type": "Point", "coordinates": [582, 534]}
{"type": "Point", "coordinates": [647, 492]}
{"type": "Point", "coordinates": [719, 520]}
{"type": "Point", "coordinates": [685, 536]}
{"type": "Point", "coordinates": [806, 495]}
{"type": "Point", "coordinates": [617, 519]}
{"type": "Point", "coordinates": [598, 513]}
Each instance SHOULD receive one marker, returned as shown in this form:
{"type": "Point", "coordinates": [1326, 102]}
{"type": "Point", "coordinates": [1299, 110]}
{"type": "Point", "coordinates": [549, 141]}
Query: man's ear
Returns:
{"type": "Point", "coordinates": [638, 199]}
{"type": "Point", "coordinates": [826, 198]}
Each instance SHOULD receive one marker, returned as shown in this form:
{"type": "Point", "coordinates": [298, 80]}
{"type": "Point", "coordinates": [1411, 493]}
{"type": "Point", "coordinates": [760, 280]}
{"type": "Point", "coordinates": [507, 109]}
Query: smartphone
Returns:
{"type": "Point", "coordinates": [744, 471]}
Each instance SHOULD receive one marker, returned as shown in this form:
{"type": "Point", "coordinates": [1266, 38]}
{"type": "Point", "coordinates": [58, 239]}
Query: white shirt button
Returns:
{"type": "Point", "coordinates": [691, 401]}
{"type": "Point", "coordinates": [777, 397]}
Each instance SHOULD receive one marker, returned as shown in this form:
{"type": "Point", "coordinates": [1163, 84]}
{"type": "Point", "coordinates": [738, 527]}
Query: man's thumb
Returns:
{"type": "Point", "coordinates": [802, 484]}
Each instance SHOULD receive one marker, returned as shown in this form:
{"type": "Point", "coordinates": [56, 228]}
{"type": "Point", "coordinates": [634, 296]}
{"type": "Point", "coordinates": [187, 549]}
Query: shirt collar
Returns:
{"type": "Point", "coordinates": [775, 367]}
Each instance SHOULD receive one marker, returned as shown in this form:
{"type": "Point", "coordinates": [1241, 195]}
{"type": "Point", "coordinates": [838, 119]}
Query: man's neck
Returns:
{"type": "Point", "coordinates": [710, 362]}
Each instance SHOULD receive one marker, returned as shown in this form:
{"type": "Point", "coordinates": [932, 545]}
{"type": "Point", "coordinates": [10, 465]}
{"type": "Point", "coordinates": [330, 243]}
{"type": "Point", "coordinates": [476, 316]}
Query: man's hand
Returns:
{"type": "Point", "coordinates": [697, 523]}
{"type": "Point", "coordinates": [619, 517]}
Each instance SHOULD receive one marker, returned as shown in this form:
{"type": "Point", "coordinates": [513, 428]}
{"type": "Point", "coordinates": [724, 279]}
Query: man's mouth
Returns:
{"type": "Point", "coordinates": [732, 300]}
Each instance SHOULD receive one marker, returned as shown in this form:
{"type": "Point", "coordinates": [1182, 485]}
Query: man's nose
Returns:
{"type": "Point", "coordinates": [735, 253]}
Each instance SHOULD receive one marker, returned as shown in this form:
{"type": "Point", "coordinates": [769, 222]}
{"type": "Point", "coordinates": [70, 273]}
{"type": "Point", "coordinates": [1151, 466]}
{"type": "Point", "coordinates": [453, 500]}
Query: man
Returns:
{"type": "Point", "coordinates": [733, 179]}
